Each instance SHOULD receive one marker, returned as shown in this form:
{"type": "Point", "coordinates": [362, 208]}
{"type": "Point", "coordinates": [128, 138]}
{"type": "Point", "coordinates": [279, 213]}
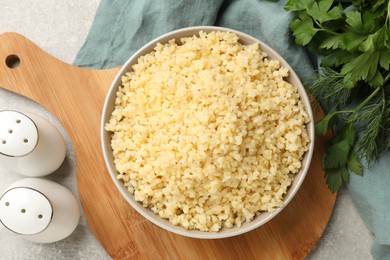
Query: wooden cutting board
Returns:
{"type": "Point", "coordinates": [75, 96]}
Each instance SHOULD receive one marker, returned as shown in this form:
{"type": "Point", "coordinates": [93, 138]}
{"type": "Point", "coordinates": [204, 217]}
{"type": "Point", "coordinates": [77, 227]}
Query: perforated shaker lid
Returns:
{"type": "Point", "coordinates": [25, 211]}
{"type": "Point", "coordinates": [18, 134]}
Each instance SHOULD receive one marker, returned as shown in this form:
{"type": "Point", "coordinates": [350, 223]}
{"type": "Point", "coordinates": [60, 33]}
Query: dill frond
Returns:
{"type": "Point", "coordinates": [329, 90]}
{"type": "Point", "coordinates": [372, 121]}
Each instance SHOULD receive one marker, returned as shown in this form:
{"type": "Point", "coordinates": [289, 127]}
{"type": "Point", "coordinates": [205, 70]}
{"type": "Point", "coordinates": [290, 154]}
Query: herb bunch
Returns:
{"type": "Point", "coordinates": [353, 81]}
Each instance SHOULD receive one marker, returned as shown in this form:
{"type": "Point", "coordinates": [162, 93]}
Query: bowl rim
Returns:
{"type": "Point", "coordinates": [106, 147]}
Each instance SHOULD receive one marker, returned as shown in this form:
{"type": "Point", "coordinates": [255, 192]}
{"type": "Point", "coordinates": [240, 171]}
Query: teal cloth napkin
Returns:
{"type": "Point", "coordinates": [122, 26]}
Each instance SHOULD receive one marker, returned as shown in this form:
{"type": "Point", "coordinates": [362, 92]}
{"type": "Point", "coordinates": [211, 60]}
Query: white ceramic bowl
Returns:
{"type": "Point", "coordinates": [149, 214]}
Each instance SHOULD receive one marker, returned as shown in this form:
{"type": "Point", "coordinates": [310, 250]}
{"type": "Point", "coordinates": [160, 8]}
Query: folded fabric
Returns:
{"type": "Point", "coordinates": [371, 195]}
{"type": "Point", "coordinates": [122, 26]}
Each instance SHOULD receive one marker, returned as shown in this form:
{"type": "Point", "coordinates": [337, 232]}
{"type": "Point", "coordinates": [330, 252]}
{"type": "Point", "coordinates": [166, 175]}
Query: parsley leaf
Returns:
{"type": "Point", "coordinates": [368, 44]}
{"type": "Point", "coordinates": [337, 58]}
{"type": "Point", "coordinates": [354, 20]}
{"type": "Point", "coordinates": [340, 155]}
{"type": "Point", "coordinates": [351, 41]}
{"type": "Point", "coordinates": [360, 24]}
{"type": "Point", "coordinates": [347, 133]}
{"type": "Point", "coordinates": [303, 29]}
{"type": "Point", "coordinates": [384, 60]}
{"type": "Point", "coordinates": [298, 5]}
{"type": "Point", "coordinates": [376, 41]}
{"type": "Point", "coordinates": [345, 174]}
{"type": "Point", "coordinates": [336, 155]}
{"type": "Point", "coordinates": [320, 11]}
{"type": "Point", "coordinates": [333, 42]}
{"type": "Point", "coordinates": [381, 37]}
{"type": "Point", "coordinates": [377, 80]}
{"type": "Point", "coordinates": [323, 125]}
{"type": "Point", "coordinates": [334, 179]}
{"type": "Point", "coordinates": [361, 68]}
{"type": "Point", "coordinates": [354, 165]}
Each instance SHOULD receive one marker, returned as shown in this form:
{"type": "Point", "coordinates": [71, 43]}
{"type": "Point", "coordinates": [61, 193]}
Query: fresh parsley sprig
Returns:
{"type": "Point", "coordinates": [353, 83]}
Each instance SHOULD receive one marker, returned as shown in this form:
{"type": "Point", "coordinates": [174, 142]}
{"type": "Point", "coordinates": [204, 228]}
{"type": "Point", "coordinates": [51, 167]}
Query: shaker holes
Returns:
{"type": "Point", "coordinates": [4, 142]}
{"type": "Point", "coordinates": [23, 211]}
{"type": "Point", "coordinates": [25, 140]}
{"type": "Point", "coordinates": [7, 203]}
{"type": "Point", "coordinates": [10, 131]}
{"type": "Point", "coordinates": [18, 121]}
{"type": "Point", "coordinates": [40, 216]}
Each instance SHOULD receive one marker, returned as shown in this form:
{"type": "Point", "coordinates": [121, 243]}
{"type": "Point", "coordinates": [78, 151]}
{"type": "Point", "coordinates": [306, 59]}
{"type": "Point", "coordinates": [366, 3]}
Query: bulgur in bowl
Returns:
{"type": "Point", "coordinates": [207, 132]}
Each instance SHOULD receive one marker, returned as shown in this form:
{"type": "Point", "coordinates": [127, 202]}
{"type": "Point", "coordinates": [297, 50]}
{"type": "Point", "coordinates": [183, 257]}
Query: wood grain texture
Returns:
{"type": "Point", "coordinates": [76, 96]}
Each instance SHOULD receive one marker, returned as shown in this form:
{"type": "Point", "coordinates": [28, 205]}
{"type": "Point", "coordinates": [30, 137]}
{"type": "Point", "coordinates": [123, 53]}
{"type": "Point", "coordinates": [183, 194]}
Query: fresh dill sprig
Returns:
{"type": "Point", "coordinates": [373, 123]}
{"type": "Point", "coordinates": [330, 88]}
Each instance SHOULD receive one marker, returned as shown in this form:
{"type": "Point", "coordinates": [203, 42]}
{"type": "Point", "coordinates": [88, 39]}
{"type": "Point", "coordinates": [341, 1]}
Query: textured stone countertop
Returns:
{"type": "Point", "coordinates": [60, 28]}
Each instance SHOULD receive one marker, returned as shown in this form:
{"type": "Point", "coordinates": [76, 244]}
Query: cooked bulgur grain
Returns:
{"type": "Point", "coordinates": [207, 133]}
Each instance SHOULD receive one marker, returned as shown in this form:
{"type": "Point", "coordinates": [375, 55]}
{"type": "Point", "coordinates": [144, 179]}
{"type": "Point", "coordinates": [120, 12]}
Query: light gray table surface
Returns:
{"type": "Point", "coordinates": [60, 28]}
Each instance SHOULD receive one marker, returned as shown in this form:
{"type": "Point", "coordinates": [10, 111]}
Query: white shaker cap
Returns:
{"type": "Point", "coordinates": [25, 211]}
{"type": "Point", "coordinates": [18, 134]}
